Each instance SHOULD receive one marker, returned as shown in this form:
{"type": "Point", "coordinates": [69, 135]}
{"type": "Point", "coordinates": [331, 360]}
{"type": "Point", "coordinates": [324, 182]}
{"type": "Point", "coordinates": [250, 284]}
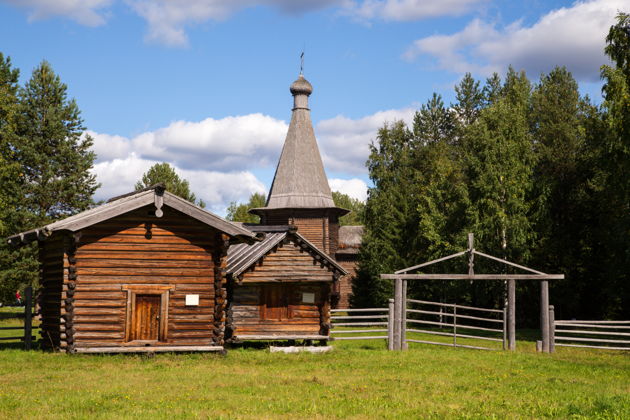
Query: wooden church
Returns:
{"type": "Point", "coordinates": [150, 271]}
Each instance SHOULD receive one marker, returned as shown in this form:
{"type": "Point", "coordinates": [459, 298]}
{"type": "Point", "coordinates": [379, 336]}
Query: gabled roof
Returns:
{"type": "Point", "coordinates": [153, 195]}
{"type": "Point", "coordinates": [349, 239]}
{"type": "Point", "coordinates": [300, 180]}
{"type": "Point", "coordinates": [242, 256]}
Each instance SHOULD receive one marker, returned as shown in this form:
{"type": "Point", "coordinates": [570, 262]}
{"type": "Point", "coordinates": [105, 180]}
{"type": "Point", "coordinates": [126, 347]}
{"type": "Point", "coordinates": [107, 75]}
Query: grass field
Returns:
{"type": "Point", "coordinates": [355, 380]}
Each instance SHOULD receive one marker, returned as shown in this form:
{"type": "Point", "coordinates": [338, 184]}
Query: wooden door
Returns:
{"type": "Point", "coordinates": [145, 323]}
{"type": "Point", "coordinates": [275, 302]}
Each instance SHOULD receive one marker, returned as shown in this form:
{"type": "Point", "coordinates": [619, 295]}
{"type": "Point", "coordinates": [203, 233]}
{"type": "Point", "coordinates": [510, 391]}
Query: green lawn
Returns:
{"type": "Point", "coordinates": [356, 380]}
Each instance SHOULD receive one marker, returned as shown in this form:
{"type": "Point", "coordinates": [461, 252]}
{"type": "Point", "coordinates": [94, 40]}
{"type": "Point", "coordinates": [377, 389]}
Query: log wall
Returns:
{"type": "Point", "coordinates": [318, 226]}
{"type": "Point", "coordinates": [52, 260]}
{"type": "Point", "coordinates": [247, 312]}
{"type": "Point", "coordinates": [141, 249]}
{"type": "Point", "coordinates": [293, 272]}
{"type": "Point", "coordinates": [349, 263]}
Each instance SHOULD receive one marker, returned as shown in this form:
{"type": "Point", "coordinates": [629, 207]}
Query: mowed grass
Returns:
{"type": "Point", "coordinates": [356, 380]}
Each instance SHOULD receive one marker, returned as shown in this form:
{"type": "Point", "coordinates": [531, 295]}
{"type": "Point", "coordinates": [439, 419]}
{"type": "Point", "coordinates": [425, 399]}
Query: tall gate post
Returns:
{"type": "Point", "coordinates": [544, 314]}
{"type": "Point", "coordinates": [512, 314]}
{"type": "Point", "coordinates": [398, 297]}
{"type": "Point", "coordinates": [28, 317]}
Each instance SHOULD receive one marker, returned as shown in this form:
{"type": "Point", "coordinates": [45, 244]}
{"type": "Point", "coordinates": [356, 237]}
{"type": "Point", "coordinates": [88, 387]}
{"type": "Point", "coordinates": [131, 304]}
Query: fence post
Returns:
{"type": "Point", "coordinates": [397, 312]}
{"type": "Point", "coordinates": [390, 326]}
{"type": "Point", "coordinates": [403, 318]}
{"type": "Point", "coordinates": [455, 325]}
{"type": "Point", "coordinates": [512, 314]}
{"type": "Point", "coordinates": [552, 329]}
{"type": "Point", "coordinates": [28, 317]}
{"type": "Point", "coordinates": [505, 328]}
{"type": "Point", "coordinates": [544, 314]}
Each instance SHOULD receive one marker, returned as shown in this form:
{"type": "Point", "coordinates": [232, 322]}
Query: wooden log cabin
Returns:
{"type": "Point", "coordinates": [279, 288]}
{"type": "Point", "coordinates": [143, 273]}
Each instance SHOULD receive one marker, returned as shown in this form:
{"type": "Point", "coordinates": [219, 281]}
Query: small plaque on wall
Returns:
{"type": "Point", "coordinates": [308, 297]}
{"type": "Point", "coordinates": [192, 300]}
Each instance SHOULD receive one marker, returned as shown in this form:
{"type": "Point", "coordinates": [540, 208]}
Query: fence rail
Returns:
{"type": "Point", "coordinates": [27, 329]}
{"type": "Point", "coordinates": [454, 321]}
{"type": "Point", "coordinates": [605, 335]}
{"type": "Point", "coordinates": [361, 318]}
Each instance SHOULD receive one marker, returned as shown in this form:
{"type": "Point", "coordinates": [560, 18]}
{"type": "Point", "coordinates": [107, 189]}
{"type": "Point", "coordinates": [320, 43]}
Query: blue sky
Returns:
{"type": "Point", "coordinates": [203, 84]}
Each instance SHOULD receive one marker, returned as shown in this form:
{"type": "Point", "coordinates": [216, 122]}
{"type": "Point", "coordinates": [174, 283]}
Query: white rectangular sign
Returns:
{"type": "Point", "coordinates": [192, 300]}
{"type": "Point", "coordinates": [308, 297]}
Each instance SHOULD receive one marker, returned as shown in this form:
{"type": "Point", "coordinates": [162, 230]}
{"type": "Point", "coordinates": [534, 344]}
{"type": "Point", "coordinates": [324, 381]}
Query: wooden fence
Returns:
{"type": "Point", "coordinates": [371, 323]}
{"type": "Point", "coordinates": [454, 321]}
{"type": "Point", "coordinates": [606, 335]}
{"type": "Point", "coordinates": [26, 330]}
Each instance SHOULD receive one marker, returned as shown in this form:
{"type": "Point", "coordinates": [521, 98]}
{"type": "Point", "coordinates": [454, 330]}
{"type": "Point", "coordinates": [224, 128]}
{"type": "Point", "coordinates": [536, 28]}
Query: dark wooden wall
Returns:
{"type": "Point", "coordinates": [318, 226]}
{"type": "Point", "coordinates": [136, 249]}
{"type": "Point", "coordinates": [349, 263]}
{"type": "Point", "coordinates": [53, 264]}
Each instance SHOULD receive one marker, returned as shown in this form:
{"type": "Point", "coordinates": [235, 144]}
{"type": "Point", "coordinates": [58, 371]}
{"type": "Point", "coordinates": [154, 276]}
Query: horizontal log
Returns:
{"type": "Point", "coordinates": [140, 239]}
{"type": "Point", "coordinates": [144, 247]}
{"type": "Point", "coordinates": [91, 319]}
{"type": "Point", "coordinates": [450, 334]}
{"type": "Point", "coordinates": [245, 337]}
{"type": "Point", "coordinates": [110, 303]}
{"type": "Point", "coordinates": [142, 271]}
{"type": "Point", "coordinates": [149, 349]}
{"type": "Point", "coordinates": [85, 327]}
{"type": "Point", "coordinates": [173, 262]}
{"type": "Point", "coordinates": [452, 305]}
{"type": "Point", "coordinates": [473, 277]}
{"type": "Point", "coordinates": [373, 337]}
{"type": "Point", "coordinates": [157, 279]}
{"type": "Point", "coordinates": [100, 334]}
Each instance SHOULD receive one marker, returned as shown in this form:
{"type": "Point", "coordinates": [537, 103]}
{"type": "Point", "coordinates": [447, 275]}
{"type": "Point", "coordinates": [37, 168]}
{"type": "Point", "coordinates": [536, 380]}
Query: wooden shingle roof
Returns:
{"type": "Point", "coordinates": [243, 256]}
{"type": "Point", "coordinates": [300, 180]}
{"type": "Point", "coordinates": [154, 195]}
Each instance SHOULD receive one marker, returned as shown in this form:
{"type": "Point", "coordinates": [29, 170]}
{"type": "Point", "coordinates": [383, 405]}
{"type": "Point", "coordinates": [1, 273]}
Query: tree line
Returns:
{"type": "Point", "coordinates": [45, 167]}
{"type": "Point", "coordinates": [537, 171]}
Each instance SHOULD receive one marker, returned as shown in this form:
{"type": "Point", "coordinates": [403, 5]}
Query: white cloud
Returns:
{"type": "Point", "coordinates": [168, 19]}
{"type": "Point", "coordinates": [354, 187]}
{"type": "Point", "coordinates": [85, 12]}
{"type": "Point", "coordinates": [225, 144]}
{"type": "Point", "coordinates": [571, 37]}
{"type": "Point", "coordinates": [345, 142]}
{"type": "Point", "coordinates": [409, 10]}
{"type": "Point", "coordinates": [216, 156]}
{"type": "Point", "coordinates": [118, 176]}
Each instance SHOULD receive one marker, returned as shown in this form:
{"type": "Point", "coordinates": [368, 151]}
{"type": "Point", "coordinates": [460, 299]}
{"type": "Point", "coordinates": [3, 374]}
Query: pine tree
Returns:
{"type": "Point", "coordinates": [240, 212]}
{"type": "Point", "coordinates": [164, 173]}
{"type": "Point", "coordinates": [54, 153]}
{"type": "Point", "coordinates": [470, 99]}
{"type": "Point", "coordinates": [18, 267]}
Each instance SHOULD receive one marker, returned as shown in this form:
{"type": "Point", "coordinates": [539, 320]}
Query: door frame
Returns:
{"type": "Point", "coordinates": [147, 289]}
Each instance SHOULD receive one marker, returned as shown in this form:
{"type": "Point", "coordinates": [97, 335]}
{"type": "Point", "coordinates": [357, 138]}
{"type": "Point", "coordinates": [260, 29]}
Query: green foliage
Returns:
{"type": "Point", "coordinates": [44, 166]}
{"type": "Point", "coordinates": [356, 207]}
{"type": "Point", "coordinates": [239, 212]}
{"type": "Point", "coordinates": [614, 166]}
{"type": "Point", "coordinates": [164, 173]}
{"type": "Point", "coordinates": [536, 172]}
{"type": "Point", "coordinates": [53, 152]}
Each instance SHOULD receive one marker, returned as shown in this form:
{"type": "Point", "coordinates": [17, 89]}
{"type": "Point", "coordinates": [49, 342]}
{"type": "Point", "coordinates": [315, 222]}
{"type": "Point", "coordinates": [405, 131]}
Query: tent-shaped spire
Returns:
{"type": "Point", "coordinates": [300, 180]}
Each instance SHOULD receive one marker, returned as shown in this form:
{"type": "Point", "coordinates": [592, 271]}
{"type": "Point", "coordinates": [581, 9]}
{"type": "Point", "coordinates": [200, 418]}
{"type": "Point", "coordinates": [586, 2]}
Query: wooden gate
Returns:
{"type": "Point", "coordinates": [467, 324]}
